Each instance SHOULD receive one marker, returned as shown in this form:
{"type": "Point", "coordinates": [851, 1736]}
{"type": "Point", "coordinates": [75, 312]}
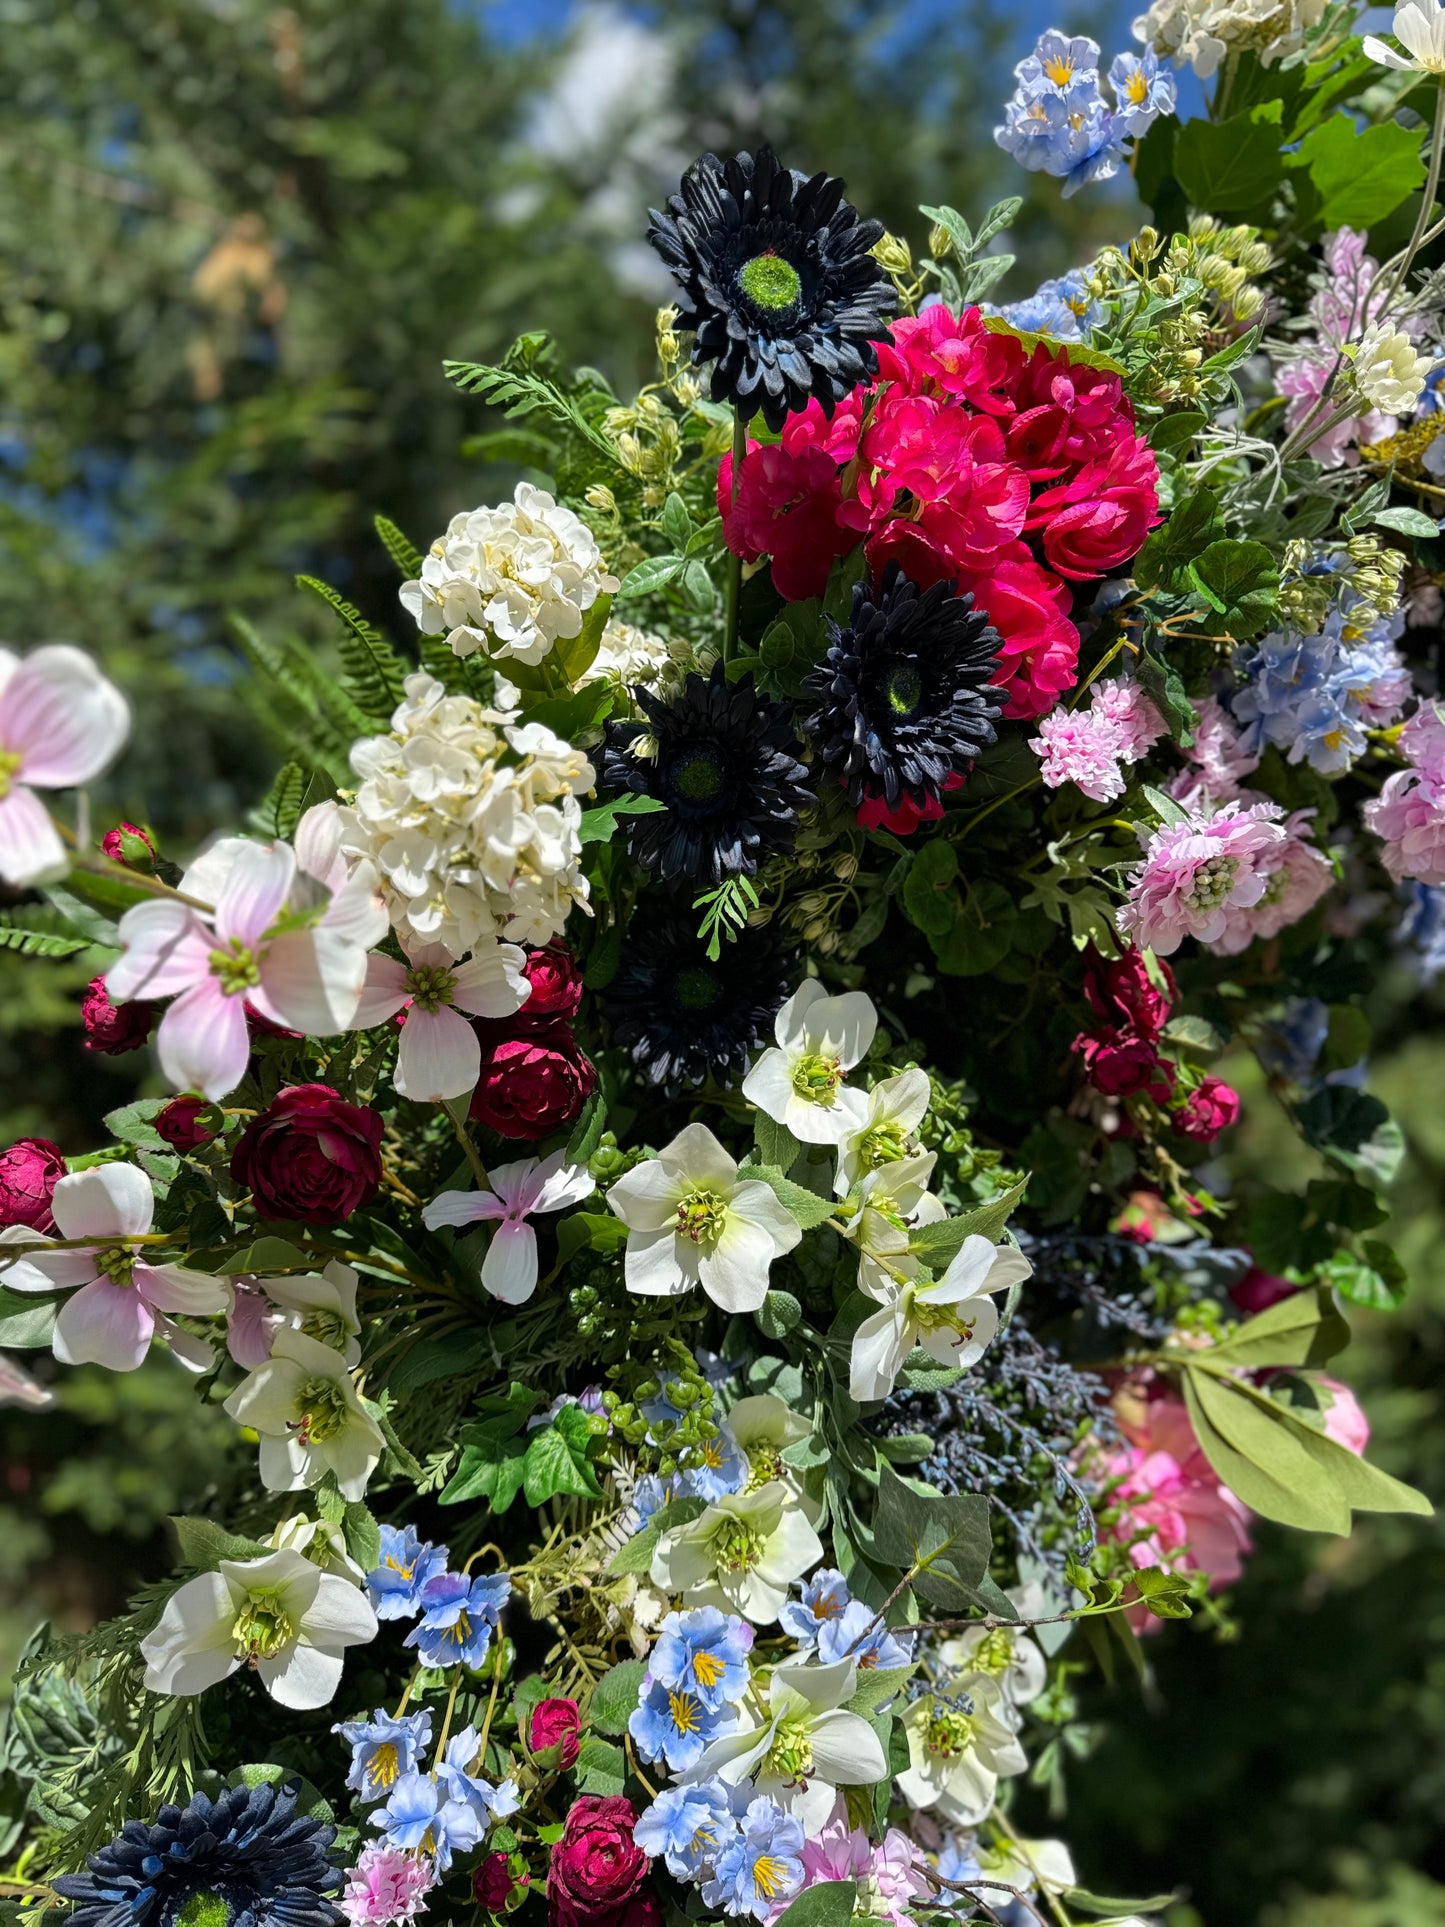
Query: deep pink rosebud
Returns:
{"type": "Point", "coordinates": [113, 1029]}
{"type": "Point", "coordinates": [492, 1883]}
{"type": "Point", "coordinates": [179, 1123]}
{"type": "Point", "coordinates": [1121, 991]}
{"type": "Point", "coordinates": [1120, 1064]}
{"type": "Point", "coordinates": [1257, 1290]}
{"type": "Point", "coordinates": [1345, 1423]}
{"type": "Point", "coordinates": [598, 1871]}
{"type": "Point", "coordinates": [532, 1086]}
{"type": "Point", "coordinates": [29, 1173]}
{"type": "Point", "coordinates": [556, 983]}
{"type": "Point", "coordinates": [129, 844]}
{"type": "Point", "coordinates": [1207, 1111]}
{"type": "Point", "coordinates": [310, 1156]}
{"type": "Point", "coordinates": [556, 1723]}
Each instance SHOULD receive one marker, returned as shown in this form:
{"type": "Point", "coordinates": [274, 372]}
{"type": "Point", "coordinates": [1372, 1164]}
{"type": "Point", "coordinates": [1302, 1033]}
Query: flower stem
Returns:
{"type": "Point", "coordinates": [735, 561]}
{"type": "Point", "coordinates": [1396, 270]}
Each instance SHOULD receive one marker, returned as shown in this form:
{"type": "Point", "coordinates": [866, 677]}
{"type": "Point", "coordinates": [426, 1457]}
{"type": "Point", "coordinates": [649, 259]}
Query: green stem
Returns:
{"type": "Point", "coordinates": [735, 561]}
{"type": "Point", "coordinates": [1396, 270]}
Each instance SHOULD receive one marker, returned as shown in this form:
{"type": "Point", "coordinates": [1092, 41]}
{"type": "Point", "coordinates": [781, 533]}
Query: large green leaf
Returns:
{"type": "Point", "coordinates": [938, 1244]}
{"type": "Point", "coordinates": [1258, 1460]}
{"type": "Point", "coordinates": [1230, 166]}
{"type": "Point", "coordinates": [944, 1541]}
{"type": "Point", "coordinates": [1361, 174]}
{"type": "Point", "coordinates": [1302, 1330]}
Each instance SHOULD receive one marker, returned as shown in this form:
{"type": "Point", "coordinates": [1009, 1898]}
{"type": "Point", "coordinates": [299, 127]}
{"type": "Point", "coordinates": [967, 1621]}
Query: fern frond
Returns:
{"type": "Point", "coordinates": [520, 394]}
{"type": "Point", "coordinates": [405, 554]}
{"type": "Point", "coordinates": [40, 930]}
{"type": "Point", "coordinates": [371, 668]}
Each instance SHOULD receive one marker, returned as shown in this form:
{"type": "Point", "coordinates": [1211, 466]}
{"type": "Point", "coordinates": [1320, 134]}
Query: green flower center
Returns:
{"type": "Point", "coordinates": [236, 969]}
{"type": "Point", "coordinates": [117, 1264]}
{"type": "Point", "coordinates": [204, 1910]}
{"type": "Point", "coordinates": [765, 1463]}
{"type": "Point", "coordinates": [816, 1078]}
{"type": "Point", "coordinates": [697, 778]}
{"type": "Point", "coordinates": [262, 1628]}
{"type": "Point", "coordinates": [790, 1757]}
{"type": "Point", "coordinates": [949, 1733]}
{"type": "Point", "coordinates": [326, 1327]}
{"type": "Point", "coordinates": [937, 1318]}
{"type": "Point", "coordinates": [1213, 882]}
{"type": "Point", "coordinates": [701, 1216]}
{"type": "Point", "coordinates": [10, 761]}
{"type": "Point", "coordinates": [904, 689]}
{"type": "Point", "coordinates": [884, 1144]}
{"type": "Point", "coordinates": [993, 1654]}
{"type": "Point", "coordinates": [321, 1410]}
{"type": "Point", "coordinates": [697, 989]}
{"type": "Point", "coordinates": [432, 987]}
{"type": "Point", "coordinates": [770, 282]}
{"type": "Point", "coordinates": [736, 1546]}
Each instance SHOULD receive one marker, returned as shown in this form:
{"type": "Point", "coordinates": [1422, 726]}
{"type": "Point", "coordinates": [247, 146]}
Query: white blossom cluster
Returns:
{"type": "Point", "coordinates": [471, 820]}
{"type": "Point", "coordinates": [627, 655]}
{"type": "Point", "coordinates": [511, 580]}
{"type": "Point", "coordinates": [1199, 33]}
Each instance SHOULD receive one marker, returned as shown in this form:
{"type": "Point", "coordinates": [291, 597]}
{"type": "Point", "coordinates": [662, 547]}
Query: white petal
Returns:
{"type": "Point", "coordinates": [384, 992]}
{"type": "Point", "coordinates": [439, 1056]}
{"type": "Point", "coordinates": [646, 1197]}
{"type": "Point", "coordinates": [339, 1615]}
{"type": "Point", "coordinates": [734, 1274]}
{"type": "Point", "coordinates": [493, 983]}
{"type": "Point", "coordinates": [877, 1355]}
{"type": "Point", "coordinates": [696, 1155]}
{"type": "Point", "coordinates": [846, 1750]}
{"type": "Point", "coordinates": [562, 1183]}
{"type": "Point", "coordinates": [203, 1043]}
{"type": "Point", "coordinates": [30, 847]}
{"type": "Point", "coordinates": [1387, 57]}
{"type": "Point", "coordinates": [317, 843]}
{"type": "Point", "coordinates": [313, 981]}
{"type": "Point", "coordinates": [509, 1270]}
{"type": "Point", "coordinates": [792, 1018]}
{"type": "Point", "coordinates": [65, 719]}
{"type": "Point", "coordinates": [103, 1324]}
{"type": "Point", "coordinates": [108, 1201]}
{"type": "Point", "coordinates": [659, 1264]}
{"type": "Point", "coordinates": [461, 1207]}
{"type": "Point", "coordinates": [301, 1677]}
{"type": "Point", "coordinates": [357, 913]}
{"type": "Point", "coordinates": [173, 1288]}
{"type": "Point", "coordinates": [769, 1084]}
{"type": "Point", "coordinates": [758, 1204]}
{"type": "Point", "coordinates": [255, 888]}
{"type": "Point", "coordinates": [842, 1027]}
{"type": "Point", "coordinates": [167, 949]}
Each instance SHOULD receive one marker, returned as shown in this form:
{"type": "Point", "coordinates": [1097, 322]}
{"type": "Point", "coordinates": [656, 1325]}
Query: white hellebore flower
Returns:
{"type": "Point", "coordinates": [954, 1319]}
{"type": "Point", "coordinates": [763, 1427]}
{"type": "Point", "coordinates": [740, 1555]}
{"type": "Point", "coordinates": [439, 1055]}
{"type": "Point", "coordinates": [519, 1191]}
{"type": "Point", "coordinates": [1009, 1655]}
{"type": "Point", "coordinates": [694, 1222]}
{"type": "Point", "coordinates": [319, 1541]}
{"type": "Point", "coordinates": [280, 1615]}
{"type": "Point", "coordinates": [806, 1749]}
{"type": "Point", "coordinates": [1388, 371]}
{"type": "Point", "coordinates": [882, 1131]}
{"type": "Point", "coordinates": [323, 1305]}
{"type": "Point", "coordinates": [121, 1301]}
{"type": "Point", "coordinates": [1420, 25]}
{"type": "Point", "coordinates": [305, 1407]}
{"type": "Point", "coordinates": [799, 1082]}
{"type": "Point", "coordinates": [956, 1759]}
{"type": "Point", "coordinates": [61, 723]}
{"type": "Point", "coordinates": [891, 1201]}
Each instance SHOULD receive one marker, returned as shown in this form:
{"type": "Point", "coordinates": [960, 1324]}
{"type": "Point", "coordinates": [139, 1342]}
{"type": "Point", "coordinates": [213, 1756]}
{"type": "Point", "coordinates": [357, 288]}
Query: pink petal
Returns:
{"type": "Point", "coordinates": [167, 949]}
{"type": "Point", "coordinates": [203, 1042]}
{"type": "Point", "coordinates": [30, 845]}
{"type": "Point", "coordinates": [461, 1207]}
{"type": "Point", "coordinates": [492, 984]}
{"type": "Point", "coordinates": [509, 1270]}
{"type": "Point", "coordinates": [439, 1056]}
{"type": "Point", "coordinates": [105, 1324]}
{"type": "Point", "coordinates": [110, 1201]}
{"type": "Point", "coordinates": [255, 888]}
{"type": "Point", "coordinates": [63, 716]}
{"type": "Point", "coordinates": [173, 1288]}
{"type": "Point", "coordinates": [384, 994]}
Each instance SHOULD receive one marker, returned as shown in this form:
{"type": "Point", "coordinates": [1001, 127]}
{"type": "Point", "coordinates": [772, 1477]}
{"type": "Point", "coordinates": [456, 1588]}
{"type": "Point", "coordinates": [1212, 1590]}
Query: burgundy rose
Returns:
{"type": "Point", "coordinates": [113, 1029]}
{"type": "Point", "coordinates": [1207, 1111]}
{"type": "Point", "coordinates": [29, 1173]}
{"type": "Point", "coordinates": [310, 1156]}
{"type": "Point", "coordinates": [1121, 991]}
{"type": "Point", "coordinates": [598, 1871]}
{"type": "Point", "coordinates": [179, 1123]}
{"type": "Point", "coordinates": [555, 1726]}
{"type": "Point", "coordinates": [492, 1883]}
{"type": "Point", "coordinates": [556, 989]}
{"type": "Point", "coordinates": [531, 1086]}
{"type": "Point", "coordinates": [1257, 1290]}
{"type": "Point", "coordinates": [1120, 1063]}
{"type": "Point", "coordinates": [128, 843]}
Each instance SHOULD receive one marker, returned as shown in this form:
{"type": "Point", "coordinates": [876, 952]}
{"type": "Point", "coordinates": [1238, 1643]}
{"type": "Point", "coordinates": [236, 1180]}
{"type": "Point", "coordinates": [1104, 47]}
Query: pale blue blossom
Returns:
{"type": "Point", "coordinates": [1062, 309]}
{"type": "Point", "coordinates": [761, 1865]}
{"type": "Point", "coordinates": [687, 1827]}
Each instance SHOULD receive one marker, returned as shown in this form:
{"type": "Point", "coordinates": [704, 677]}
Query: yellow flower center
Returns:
{"type": "Point", "coordinates": [10, 761]}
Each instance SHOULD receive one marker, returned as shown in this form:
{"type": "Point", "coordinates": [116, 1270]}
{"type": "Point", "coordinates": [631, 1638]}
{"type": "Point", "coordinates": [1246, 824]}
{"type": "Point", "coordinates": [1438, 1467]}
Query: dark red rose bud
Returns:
{"type": "Point", "coordinates": [129, 844]}
{"type": "Point", "coordinates": [1121, 991]}
{"type": "Point", "coordinates": [553, 1732]}
{"type": "Point", "coordinates": [1119, 1063]}
{"type": "Point", "coordinates": [1257, 1290]}
{"type": "Point", "coordinates": [492, 1883]}
{"type": "Point", "coordinates": [310, 1156]}
{"type": "Point", "coordinates": [531, 1086]}
{"type": "Point", "coordinates": [180, 1123]}
{"type": "Point", "coordinates": [1207, 1111]}
{"type": "Point", "coordinates": [556, 983]}
{"type": "Point", "coordinates": [29, 1173]}
{"type": "Point", "coordinates": [598, 1871]}
{"type": "Point", "coordinates": [113, 1029]}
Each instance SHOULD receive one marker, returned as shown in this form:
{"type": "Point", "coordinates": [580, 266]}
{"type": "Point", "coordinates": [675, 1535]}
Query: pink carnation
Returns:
{"type": "Point", "coordinates": [1196, 873]}
{"type": "Point", "coordinates": [1087, 748]}
{"type": "Point", "coordinates": [939, 353]}
{"type": "Point", "coordinates": [893, 1871]}
{"type": "Point", "coordinates": [1408, 815]}
{"type": "Point", "coordinates": [1219, 762]}
{"type": "Point", "coordinates": [385, 1886]}
{"type": "Point", "coordinates": [1029, 606]}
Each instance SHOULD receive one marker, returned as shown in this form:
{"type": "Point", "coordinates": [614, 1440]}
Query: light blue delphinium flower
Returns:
{"type": "Point", "coordinates": [1061, 67]}
{"type": "Point", "coordinates": [956, 1859]}
{"type": "Point", "coordinates": [687, 1826]}
{"type": "Point", "coordinates": [1423, 929]}
{"type": "Point", "coordinates": [1058, 122]}
{"type": "Point", "coordinates": [861, 1634]}
{"type": "Point", "coordinates": [1061, 308]}
{"type": "Point", "coordinates": [674, 1725]}
{"type": "Point", "coordinates": [704, 1652]}
{"type": "Point", "coordinates": [394, 1585]}
{"type": "Point", "coordinates": [458, 1614]}
{"type": "Point", "coordinates": [825, 1599]}
{"type": "Point", "coordinates": [650, 1495]}
{"type": "Point", "coordinates": [1290, 1043]}
{"type": "Point", "coordinates": [383, 1749]}
{"type": "Point", "coordinates": [419, 1818]}
{"type": "Point", "coordinates": [458, 1780]}
{"type": "Point", "coordinates": [1143, 90]}
{"type": "Point", "coordinates": [761, 1865]}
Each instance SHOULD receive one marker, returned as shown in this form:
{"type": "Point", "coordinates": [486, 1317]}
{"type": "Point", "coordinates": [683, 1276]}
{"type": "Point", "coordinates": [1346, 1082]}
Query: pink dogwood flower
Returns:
{"type": "Point", "coordinates": [439, 1055]}
{"type": "Point", "coordinates": [118, 1302]}
{"type": "Point", "coordinates": [520, 1190]}
{"type": "Point", "coordinates": [61, 723]}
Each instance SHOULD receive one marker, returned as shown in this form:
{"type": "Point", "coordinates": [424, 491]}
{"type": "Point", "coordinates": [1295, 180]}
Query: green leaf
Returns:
{"type": "Point", "coordinates": [1354, 1130]}
{"type": "Point", "coordinates": [982, 933]}
{"type": "Point", "coordinates": [204, 1544]}
{"type": "Point", "coordinates": [601, 1768]}
{"type": "Point", "coordinates": [804, 1205]}
{"type": "Point", "coordinates": [362, 1534]}
{"type": "Point", "coordinates": [372, 671]}
{"type": "Point", "coordinates": [829, 1903]}
{"type": "Point", "coordinates": [1258, 1460]}
{"type": "Point", "coordinates": [1363, 1486]}
{"type": "Point", "coordinates": [494, 1473]}
{"type": "Point", "coordinates": [1301, 1330]}
{"type": "Point", "coordinates": [518, 389]}
{"type": "Point", "coordinates": [1098, 1906]}
{"type": "Point", "coordinates": [1361, 174]}
{"type": "Point", "coordinates": [636, 1555]}
{"type": "Point", "coordinates": [587, 1131]}
{"type": "Point", "coordinates": [1197, 1033]}
{"type": "Point", "coordinates": [877, 1687]}
{"type": "Point", "coordinates": [1073, 352]}
{"type": "Point", "coordinates": [133, 1123]}
{"type": "Point", "coordinates": [1166, 554]}
{"type": "Point", "coordinates": [1230, 166]}
{"type": "Point", "coordinates": [945, 1540]}
{"type": "Point", "coordinates": [405, 554]}
{"type": "Point", "coordinates": [556, 1459]}
{"type": "Point", "coordinates": [599, 825]}
{"type": "Point", "coordinates": [654, 572]}
{"type": "Point", "coordinates": [1240, 582]}
{"type": "Point", "coordinates": [928, 893]}
{"type": "Point", "coordinates": [1177, 430]}
{"type": "Point", "coordinates": [1164, 686]}
{"type": "Point", "coordinates": [1376, 1280]}
{"type": "Point", "coordinates": [938, 1244]}
{"type": "Point", "coordinates": [1409, 522]}
{"type": "Point", "coordinates": [614, 1697]}
{"type": "Point", "coordinates": [26, 1321]}
{"type": "Point", "coordinates": [1169, 813]}
{"type": "Point", "coordinates": [777, 1148]}
{"type": "Point", "coordinates": [40, 930]}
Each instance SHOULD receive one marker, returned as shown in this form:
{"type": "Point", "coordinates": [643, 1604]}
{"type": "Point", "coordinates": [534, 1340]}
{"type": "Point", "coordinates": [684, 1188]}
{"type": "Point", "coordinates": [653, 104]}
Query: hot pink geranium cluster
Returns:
{"type": "Point", "coordinates": [890, 1875]}
{"type": "Point", "coordinates": [1408, 815]}
{"type": "Point", "coordinates": [1089, 747]}
{"type": "Point", "coordinates": [971, 458]}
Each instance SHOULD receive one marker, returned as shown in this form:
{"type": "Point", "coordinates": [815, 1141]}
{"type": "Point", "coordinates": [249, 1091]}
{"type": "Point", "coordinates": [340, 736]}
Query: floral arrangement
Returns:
{"type": "Point", "coordinates": [689, 1145]}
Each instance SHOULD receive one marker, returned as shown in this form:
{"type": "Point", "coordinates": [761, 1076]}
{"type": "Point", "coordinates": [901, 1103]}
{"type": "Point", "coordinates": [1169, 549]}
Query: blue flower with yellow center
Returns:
{"type": "Point", "coordinates": [458, 1614]}
{"type": "Point", "coordinates": [687, 1827]}
{"type": "Point", "coordinates": [761, 1865]}
{"type": "Point", "coordinates": [407, 1563]}
{"type": "Point", "coordinates": [703, 1653]}
{"type": "Point", "coordinates": [673, 1724]}
{"type": "Point", "coordinates": [382, 1749]}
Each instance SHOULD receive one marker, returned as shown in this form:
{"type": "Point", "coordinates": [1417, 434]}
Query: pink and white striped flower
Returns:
{"type": "Point", "coordinates": [61, 723]}
{"type": "Point", "coordinates": [118, 1302]}
{"type": "Point", "coordinates": [519, 1191]}
{"type": "Point", "coordinates": [440, 1056]}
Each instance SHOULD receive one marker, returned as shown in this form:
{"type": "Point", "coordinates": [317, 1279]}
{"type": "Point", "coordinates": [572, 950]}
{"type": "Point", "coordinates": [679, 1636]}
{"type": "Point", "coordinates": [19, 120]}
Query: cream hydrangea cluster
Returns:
{"type": "Point", "coordinates": [472, 821]}
{"type": "Point", "coordinates": [627, 655]}
{"type": "Point", "coordinates": [1199, 33]}
{"type": "Point", "coordinates": [511, 580]}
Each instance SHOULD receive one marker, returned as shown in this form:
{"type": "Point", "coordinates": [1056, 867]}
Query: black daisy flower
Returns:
{"type": "Point", "coordinates": [904, 698]}
{"type": "Point", "coordinates": [244, 1859]}
{"type": "Point", "coordinates": [777, 280]}
{"type": "Point", "coordinates": [684, 1018]}
{"type": "Point", "coordinates": [724, 761]}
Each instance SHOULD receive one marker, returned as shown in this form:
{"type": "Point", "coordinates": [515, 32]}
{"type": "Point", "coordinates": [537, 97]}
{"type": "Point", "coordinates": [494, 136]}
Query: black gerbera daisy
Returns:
{"type": "Point", "coordinates": [683, 1017]}
{"type": "Point", "coordinates": [904, 700]}
{"type": "Point", "coordinates": [777, 280]}
{"type": "Point", "coordinates": [724, 760]}
{"type": "Point", "coordinates": [244, 1859]}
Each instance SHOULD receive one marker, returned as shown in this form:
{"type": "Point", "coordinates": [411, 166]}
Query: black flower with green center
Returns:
{"type": "Point", "coordinates": [778, 281]}
{"type": "Point", "coordinates": [904, 701]}
{"type": "Point", "coordinates": [683, 1018]}
{"type": "Point", "coordinates": [723, 761]}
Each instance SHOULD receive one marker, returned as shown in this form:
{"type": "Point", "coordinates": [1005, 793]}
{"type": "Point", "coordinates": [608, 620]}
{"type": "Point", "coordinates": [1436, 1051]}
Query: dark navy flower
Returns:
{"type": "Point", "coordinates": [245, 1859]}
{"type": "Point", "coordinates": [395, 1584]}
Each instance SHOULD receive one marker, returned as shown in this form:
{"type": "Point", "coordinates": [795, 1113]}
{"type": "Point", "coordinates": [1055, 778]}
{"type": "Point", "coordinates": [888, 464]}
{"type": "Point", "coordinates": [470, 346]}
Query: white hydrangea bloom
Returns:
{"type": "Point", "coordinates": [471, 821]}
{"type": "Point", "coordinates": [1389, 373]}
{"type": "Point", "coordinates": [511, 580]}
{"type": "Point", "coordinates": [627, 655]}
{"type": "Point", "coordinates": [1199, 33]}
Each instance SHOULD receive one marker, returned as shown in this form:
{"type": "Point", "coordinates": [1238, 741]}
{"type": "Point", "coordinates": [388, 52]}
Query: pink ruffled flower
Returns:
{"type": "Point", "coordinates": [1196, 873]}
{"type": "Point", "coordinates": [1342, 307]}
{"type": "Point", "coordinates": [893, 1870]}
{"type": "Point", "coordinates": [938, 353]}
{"type": "Point", "coordinates": [1298, 876]}
{"type": "Point", "coordinates": [1029, 606]}
{"type": "Point", "coordinates": [386, 1887]}
{"type": "Point", "coordinates": [1408, 815]}
{"type": "Point", "coordinates": [1209, 1109]}
{"type": "Point", "coordinates": [1218, 759]}
{"type": "Point", "coordinates": [1098, 520]}
{"type": "Point", "coordinates": [1089, 747]}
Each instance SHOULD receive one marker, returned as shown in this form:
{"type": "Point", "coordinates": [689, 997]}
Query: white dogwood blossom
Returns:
{"type": "Point", "coordinates": [61, 723]}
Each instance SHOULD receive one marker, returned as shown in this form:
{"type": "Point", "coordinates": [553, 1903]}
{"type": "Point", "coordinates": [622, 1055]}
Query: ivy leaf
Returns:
{"type": "Point", "coordinates": [829, 1903]}
{"type": "Point", "coordinates": [1354, 1130]}
{"type": "Point", "coordinates": [557, 1461]}
{"type": "Point", "coordinates": [614, 1698]}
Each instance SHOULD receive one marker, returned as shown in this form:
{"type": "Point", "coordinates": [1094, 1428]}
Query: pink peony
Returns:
{"type": "Point", "coordinates": [1029, 607]}
{"type": "Point", "coordinates": [29, 1173]}
{"type": "Point", "coordinates": [385, 1886]}
{"type": "Point", "coordinates": [1408, 815]}
{"type": "Point", "coordinates": [1098, 520]}
{"type": "Point", "coordinates": [1196, 873]}
{"type": "Point", "coordinates": [889, 1876]}
{"type": "Point", "coordinates": [1299, 875]}
{"type": "Point", "coordinates": [113, 1029]}
{"type": "Point", "coordinates": [1122, 991]}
